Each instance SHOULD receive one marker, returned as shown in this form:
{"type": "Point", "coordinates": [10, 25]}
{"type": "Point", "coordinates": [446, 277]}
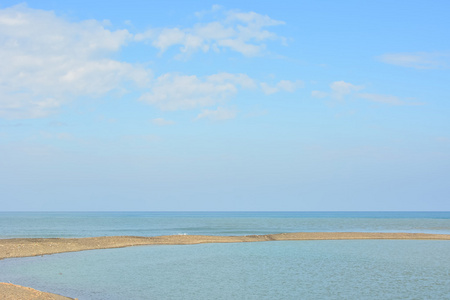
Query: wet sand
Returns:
{"type": "Point", "coordinates": [23, 247]}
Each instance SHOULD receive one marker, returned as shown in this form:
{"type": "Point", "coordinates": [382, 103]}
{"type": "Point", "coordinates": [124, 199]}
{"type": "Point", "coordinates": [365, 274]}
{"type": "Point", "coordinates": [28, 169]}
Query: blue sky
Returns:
{"type": "Point", "coordinates": [206, 105]}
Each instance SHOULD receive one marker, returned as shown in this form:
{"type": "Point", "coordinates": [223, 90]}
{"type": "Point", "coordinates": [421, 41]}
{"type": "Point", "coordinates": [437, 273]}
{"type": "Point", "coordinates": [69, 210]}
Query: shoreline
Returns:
{"type": "Point", "coordinates": [10, 291]}
{"type": "Point", "coordinates": [26, 247]}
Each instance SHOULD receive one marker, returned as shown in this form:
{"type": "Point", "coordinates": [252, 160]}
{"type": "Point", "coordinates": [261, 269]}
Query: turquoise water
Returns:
{"type": "Point", "coordinates": [57, 224]}
{"type": "Point", "coordinates": [367, 269]}
{"type": "Point", "coordinates": [266, 270]}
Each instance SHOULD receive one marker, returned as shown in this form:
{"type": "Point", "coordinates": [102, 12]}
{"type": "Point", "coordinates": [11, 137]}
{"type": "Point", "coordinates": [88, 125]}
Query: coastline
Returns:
{"type": "Point", "coordinates": [9, 291]}
{"type": "Point", "coordinates": [26, 247]}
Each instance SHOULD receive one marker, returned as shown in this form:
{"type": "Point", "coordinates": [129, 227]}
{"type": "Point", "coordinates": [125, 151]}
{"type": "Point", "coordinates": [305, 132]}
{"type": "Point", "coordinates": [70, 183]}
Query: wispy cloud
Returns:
{"type": "Point", "coordinates": [418, 60]}
{"type": "Point", "coordinates": [340, 89]}
{"type": "Point", "coordinates": [319, 94]}
{"type": "Point", "coordinates": [174, 91]}
{"type": "Point", "coordinates": [283, 85]}
{"type": "Point", "coordinates": [162, 122]}
{"type": "Point", "coordinates": [215, 8]}
{"type": "Point", "coordinates": [243, 32]}
{"type": "Point", "coordinates": [220, 114]}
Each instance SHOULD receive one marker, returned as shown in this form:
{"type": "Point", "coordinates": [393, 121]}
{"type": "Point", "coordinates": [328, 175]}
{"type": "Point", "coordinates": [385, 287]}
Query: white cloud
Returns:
{"type": "Point", "coordinates": [290, 86]}
{"type": "Point", "coordinates": [162, 122]}
{"type": "Point", "coordinates": [220, 114]}
{"type": "Point", "coordinates": [215, 8]}
{"type": "Point", "coordinates": [319, 94]}
{"type": "Point", "coordinates": [268, 89]}
{"type": "Point", "coordinates": [237, 79]}
{"type": "Point", "coordinates": [339, 89]}
{"type": "Point", "coordinates": [418, 60]}
{"type": "Point", "coordinates": [168, 37]}
{"type": "Point", "coordinates": [46, 61]}
{"type": "Point", "coordinates": [174, 91]}
{"type": "Point", "coordinates": [238, 31]}
{"type": "Point", "coordinates": [282, 85]}
{"type": "Point", "coordinates": [253, 20]}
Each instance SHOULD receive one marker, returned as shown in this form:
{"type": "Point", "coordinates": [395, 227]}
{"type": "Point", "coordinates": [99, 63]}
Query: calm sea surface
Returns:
{"type": "Point", "coordinates": [367, 269]}
{"type": "Point", "coordinates": [82, 224]}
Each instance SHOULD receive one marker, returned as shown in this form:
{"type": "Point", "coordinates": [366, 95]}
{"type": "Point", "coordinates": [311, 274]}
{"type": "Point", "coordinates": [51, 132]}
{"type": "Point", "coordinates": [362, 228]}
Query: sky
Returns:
{"type": "Point", "coordinates": [204, 105]}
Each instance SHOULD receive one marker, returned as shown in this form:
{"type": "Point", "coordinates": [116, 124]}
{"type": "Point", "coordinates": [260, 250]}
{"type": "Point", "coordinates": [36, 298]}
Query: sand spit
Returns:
{"type": "Point", "coordinates": [9, 291]}
{"type": "Point", "coordinates": [23, 247]}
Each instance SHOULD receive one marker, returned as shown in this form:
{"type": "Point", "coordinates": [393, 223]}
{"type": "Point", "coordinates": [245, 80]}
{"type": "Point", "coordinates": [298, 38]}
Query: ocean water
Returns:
{"type": "Point", "coordinates": [85, 224]}
{"type": "Point", "coordinates": [365, 269]}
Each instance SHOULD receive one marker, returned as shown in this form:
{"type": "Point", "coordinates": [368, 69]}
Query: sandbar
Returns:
{"type": "Point", "coordinates": [9, 291]}
{"type": "Point", "coordinates": [23, 247]}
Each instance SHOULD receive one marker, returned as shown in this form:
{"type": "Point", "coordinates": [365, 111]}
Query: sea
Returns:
{"type": "Point", "coordinates": [340, 269]}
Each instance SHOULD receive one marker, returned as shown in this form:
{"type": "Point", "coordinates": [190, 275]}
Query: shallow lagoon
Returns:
{"type": "Point", "coordinates": [354, 269]}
